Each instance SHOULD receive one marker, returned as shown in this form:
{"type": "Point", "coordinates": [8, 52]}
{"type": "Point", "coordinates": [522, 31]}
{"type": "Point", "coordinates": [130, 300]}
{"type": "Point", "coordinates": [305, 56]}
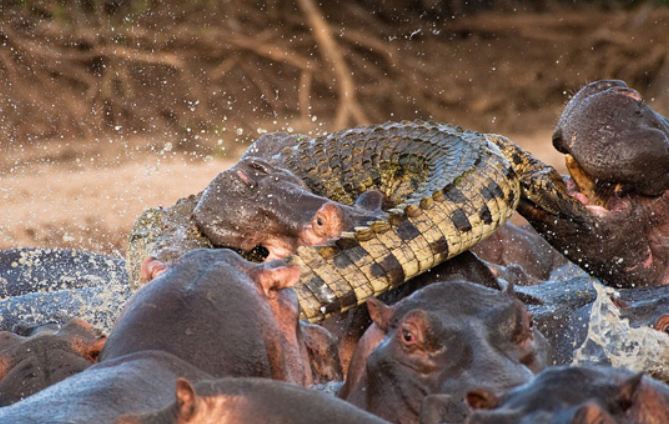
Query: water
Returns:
{"type": "Point", "coordinates": [611, 340]}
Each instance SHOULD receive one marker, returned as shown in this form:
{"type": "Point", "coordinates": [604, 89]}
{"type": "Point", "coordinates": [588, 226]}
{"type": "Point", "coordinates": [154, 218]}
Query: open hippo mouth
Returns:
{"type": "Point", "coordinates": [616, 146]}
{"type": "Point", "coordinates": [615, 221]}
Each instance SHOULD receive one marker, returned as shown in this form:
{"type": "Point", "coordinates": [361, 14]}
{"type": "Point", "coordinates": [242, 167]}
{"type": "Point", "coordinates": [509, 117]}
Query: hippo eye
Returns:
{"type": "Point", "coordinates": [407, 336]}
{"type": "Point", "coordinates": [319, 221]}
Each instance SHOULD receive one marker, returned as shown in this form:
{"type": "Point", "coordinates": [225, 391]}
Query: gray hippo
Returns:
{"type": "Point", "coordinates": [253, 207]}
{"type": "Point", "coordinates": [211, 314]}
{"type": "Point", "coordinates": [39, 286]}
{"type": "Point", "coordinates": [575, 395]}
{"type": "Point", "coordinates": [252, 400]}
{"type": "Point", "coordinates": [614, 218]}
{"type": "Point", "coordinates": [446, 338]}
{"type": "Point", "coordinates": [43, 356]}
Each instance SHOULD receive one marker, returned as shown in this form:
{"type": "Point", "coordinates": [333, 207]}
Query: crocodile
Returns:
{"type": "Point", "coordinates": [445, 188]}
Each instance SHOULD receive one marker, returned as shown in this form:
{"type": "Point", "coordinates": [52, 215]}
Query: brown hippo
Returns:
{"type": "Point", "coordinates": [45, 356]}
{"type": "Point", "coordinates": [224, 315]}
{"type": "Point", "coordinates": [617, 224]}
{"type": "Point", "coordinates": [252, 400]}
{"type": "Point", "coordinates": [446, 338]}
{"type": "Point", "coordinates": [576, 395]}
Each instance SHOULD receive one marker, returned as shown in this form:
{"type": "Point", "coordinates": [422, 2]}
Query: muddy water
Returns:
{"type": "Point", "coordinates": [613, 341]}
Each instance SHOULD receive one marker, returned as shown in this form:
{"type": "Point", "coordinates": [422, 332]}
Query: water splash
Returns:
{"type": "Point", "coordinates": [39, 286]}
{"type": "Point", "coordinates": [611, 340]}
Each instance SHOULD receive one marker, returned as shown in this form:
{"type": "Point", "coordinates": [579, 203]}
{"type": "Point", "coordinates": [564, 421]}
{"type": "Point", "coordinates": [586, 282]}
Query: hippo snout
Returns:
{"type": "Point", "coordinates": [328, 222]}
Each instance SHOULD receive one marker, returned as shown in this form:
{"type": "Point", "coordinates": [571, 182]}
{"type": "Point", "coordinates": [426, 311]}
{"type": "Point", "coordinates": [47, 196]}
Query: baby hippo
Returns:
{"type": "Point", "coordinates": [576, 395]}
{"type": "Point", "coordinates": [447, 338]}
{"type": "Point", "coordinates": [45, 356]}
{"type": "Point", "coordinates": [613, 218]}
{"type": "Point", "coordinates": [249, 400]}
{"type": "Point", "coordinates": [224, 315]}
{"type": "Point", "coordinates": [258, 204]}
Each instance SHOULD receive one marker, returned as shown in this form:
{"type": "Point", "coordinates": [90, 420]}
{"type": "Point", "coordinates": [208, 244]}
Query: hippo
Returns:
{"type": "Point", "coordinates": [252, 400]}
{"type": "Point", "coordinates": [575, 395]}
{"type": "Point", "coordinates": [137, 383]}
{"type": "Point", "coordinates": [519, 255]}
{"type": "Point", "coordinates": [350, 326]}
{"type": "Point", "coordinates": [255, 195]}
{"type": "Point", "coordinates": [617, 223]}
{"type": "Point", "coordinates": [262, 210]}
{"type": "Point", "coordinates": [445, 338]}
{"type": "Point", "coordinates": [44, 356]}
{"type": "Point", "coordinates": [223, 314]}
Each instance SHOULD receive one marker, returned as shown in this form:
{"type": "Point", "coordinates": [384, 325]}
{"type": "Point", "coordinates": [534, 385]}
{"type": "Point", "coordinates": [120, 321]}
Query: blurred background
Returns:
{"type": "Point", "coordinates": [108, 107]}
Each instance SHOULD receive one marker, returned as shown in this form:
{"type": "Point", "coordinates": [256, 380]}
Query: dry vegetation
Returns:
{"type": "Point", "coordinates": [192, 69]}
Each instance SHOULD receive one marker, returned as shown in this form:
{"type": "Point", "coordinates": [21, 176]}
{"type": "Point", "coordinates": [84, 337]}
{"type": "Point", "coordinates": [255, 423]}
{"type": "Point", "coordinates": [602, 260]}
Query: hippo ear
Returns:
{"type": "Point", "coordinates": [89, 349]}
{"type": "Point", "coordinates": [151, 268]}
{"type": "Point", "coordinates": [84, 339]}
{"type": "Point", "coordinates": [628, 389]}
{"type": "Point", "coordinates": [662, 323]}
{"type": "Point", "coordinates": [380, 313]}
{"type": "Point", "coordinates": [272, 278]}
{"type": "Point", "coordinates": [482, 399]}
{"type": "Point", "coordinates": [592, 413]}
{"type": "Point", "coordinates": [185, 397]}
{"type": "Point", "coordinates": [371, 200]}
{"type": "Point", "coordinates": [509, 289]}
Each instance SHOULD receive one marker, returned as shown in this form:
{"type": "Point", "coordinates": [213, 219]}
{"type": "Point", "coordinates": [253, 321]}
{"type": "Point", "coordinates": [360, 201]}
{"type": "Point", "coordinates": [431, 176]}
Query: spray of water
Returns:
{"type": "Point", "coordinates": [611, 340]}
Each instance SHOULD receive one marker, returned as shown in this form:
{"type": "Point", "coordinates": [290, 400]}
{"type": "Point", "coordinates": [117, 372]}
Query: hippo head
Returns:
{"type": "Point", "coordinates": [45, 356]}
{"type": "Point", "coordinates": [446, 338]}
{"type": "Point", "coordinates": [235, 317]}
{"type": "Point", "coordinates": [257, 204]}
{"type": "Point", "coordinates": [612, 214]}
{"type": "Point", "coordinates": [615, 138]}
{"type": "Point", "coordinates": [576, 395]}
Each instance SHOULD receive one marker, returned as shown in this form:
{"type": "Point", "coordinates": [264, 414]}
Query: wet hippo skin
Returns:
{"type": "Point", "coordinates": [258, 204]}
{"type": "Point", "coordinates": [349, 327]}
{"type": "Point", "coordinates": [443, 339]}
{"type": "Point", "coordinates": [221, 313]}
{"type": "Point", "coordinates": [519, 255]}
{"type": "Point", "coordinates": [618, 159]}
{"type": "Point", "coordinates": [133, 384]}
{"type": "Point", "coordinates": [247, 400]}
{"type": "Point", "coordinates": [45, 356]}
{"type": "Point", "coordinates": [576, 395]}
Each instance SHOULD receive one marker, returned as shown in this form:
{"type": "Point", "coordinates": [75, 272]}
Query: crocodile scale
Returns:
{"type": "Point", "coordinates": [448, 188]}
